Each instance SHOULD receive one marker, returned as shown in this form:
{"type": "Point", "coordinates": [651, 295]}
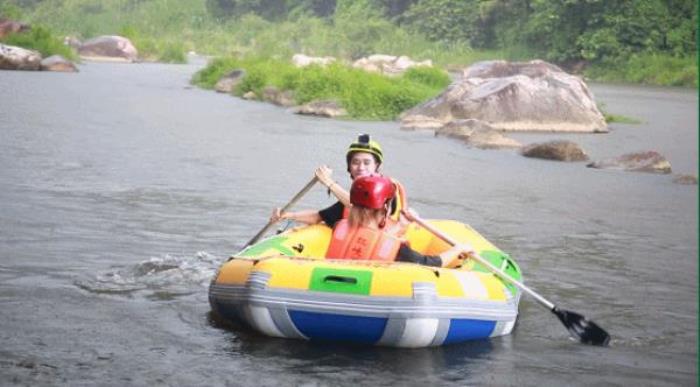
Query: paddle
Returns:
{"type": "Point", "coordinates": [284, 209]}
{"type": "Point", "coordinates": [586, 331]}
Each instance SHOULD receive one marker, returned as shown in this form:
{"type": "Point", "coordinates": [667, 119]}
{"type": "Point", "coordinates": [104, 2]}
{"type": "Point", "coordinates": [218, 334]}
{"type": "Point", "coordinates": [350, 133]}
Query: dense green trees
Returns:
{"type": "Point", "coordinates": [560, 31]}
{"type": "Point", "coordinates": [651, 41]}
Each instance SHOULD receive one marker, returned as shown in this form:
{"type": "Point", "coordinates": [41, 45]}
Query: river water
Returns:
{"type": "Point", "coordinates": [123, 189]}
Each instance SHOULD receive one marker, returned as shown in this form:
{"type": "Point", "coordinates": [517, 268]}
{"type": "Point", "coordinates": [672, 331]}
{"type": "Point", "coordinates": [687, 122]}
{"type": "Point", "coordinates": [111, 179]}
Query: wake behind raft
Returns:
{"type": "Point", "coordinates": [283, 286]}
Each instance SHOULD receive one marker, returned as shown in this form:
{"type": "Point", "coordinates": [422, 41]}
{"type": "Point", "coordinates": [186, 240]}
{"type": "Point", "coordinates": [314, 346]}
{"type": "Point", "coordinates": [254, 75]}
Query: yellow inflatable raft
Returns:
{"type": "Point", "coordinates": [284, 287]}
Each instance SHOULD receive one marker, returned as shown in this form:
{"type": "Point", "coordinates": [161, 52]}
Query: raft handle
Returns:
{"type": "Point", "coordinates": [340, 278]}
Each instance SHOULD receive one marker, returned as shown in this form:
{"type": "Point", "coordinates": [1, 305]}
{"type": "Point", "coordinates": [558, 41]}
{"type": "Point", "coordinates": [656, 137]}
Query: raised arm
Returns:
{"type": "Point", "coordinates": [324, 175]}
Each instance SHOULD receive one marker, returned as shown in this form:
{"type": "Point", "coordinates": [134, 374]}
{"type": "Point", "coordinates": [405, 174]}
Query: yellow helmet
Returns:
{"type": "Point", "coordinates": [365, 144]}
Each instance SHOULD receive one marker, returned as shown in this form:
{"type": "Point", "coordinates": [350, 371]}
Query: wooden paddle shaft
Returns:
{"type": "Point", "coordinates": [284, 209]}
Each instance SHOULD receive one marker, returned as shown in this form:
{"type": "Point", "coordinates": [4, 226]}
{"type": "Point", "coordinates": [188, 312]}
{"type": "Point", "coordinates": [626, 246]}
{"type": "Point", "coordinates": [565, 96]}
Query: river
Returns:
{"type": "Point", "coordinates": [123, 189]}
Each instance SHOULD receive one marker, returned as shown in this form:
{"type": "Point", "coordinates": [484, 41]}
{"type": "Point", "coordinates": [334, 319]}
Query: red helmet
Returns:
{"type": "Point", "coordinates": [372, 191]}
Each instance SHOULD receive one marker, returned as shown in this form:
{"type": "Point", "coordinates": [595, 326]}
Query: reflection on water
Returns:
{"type": "Point", "coordinates": [328, 362]}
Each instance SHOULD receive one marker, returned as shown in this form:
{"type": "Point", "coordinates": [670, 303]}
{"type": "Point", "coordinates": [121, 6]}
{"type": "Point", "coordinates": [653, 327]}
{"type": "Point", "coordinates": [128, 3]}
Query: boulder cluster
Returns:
{"type": "Point", "coordinates": [104, 48]}
{"type": "Point", "coordinates": [484, 101]}
{"type": "Point", "coordinates": [384, 64]}
{"type": "Point", "coordinates": [490, 98]}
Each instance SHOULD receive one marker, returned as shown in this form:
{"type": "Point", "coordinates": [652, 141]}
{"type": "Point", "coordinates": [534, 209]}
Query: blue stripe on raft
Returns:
{"type": "Point", "coordinates": [339, 327]}
{"type": "Point", "coordinates": [467, 329]}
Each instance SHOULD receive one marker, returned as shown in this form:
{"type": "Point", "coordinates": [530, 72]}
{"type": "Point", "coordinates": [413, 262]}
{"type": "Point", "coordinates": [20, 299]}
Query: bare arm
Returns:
{"type": "Point", "coordinates": [324, 175]}
{"type": "Point", "coordinates": [305, 216]}
{"type": "Point", "coordinates": [450, 257]}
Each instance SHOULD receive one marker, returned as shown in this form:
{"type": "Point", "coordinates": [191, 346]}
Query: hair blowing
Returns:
{"type": "Point", "coordinates": [362, 216]}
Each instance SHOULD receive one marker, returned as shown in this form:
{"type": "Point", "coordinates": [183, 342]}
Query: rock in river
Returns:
{"type": "Point", "coordinates": [18, 58]}
{"type": "Point", "coordinates": [685, 179]}
{"type": "Point", "coordinates": [109, 47]}
{"type": "Point", "coordinates": [477, 134]}
{"type": "Point", "coordinates": [228, 82]}
{"type": "Point", "coordinates": [329, 109]}
{"type": "Point", "coordinates": [58, 63]}
{"type": "Point", "coordinates": [560, 150]}
{"type": "Point", "coordinates": [517, 96]}
{"type": "Point", "coordinates": [279, 97]}
{"type": "Point", "coordinates": [649, 161]}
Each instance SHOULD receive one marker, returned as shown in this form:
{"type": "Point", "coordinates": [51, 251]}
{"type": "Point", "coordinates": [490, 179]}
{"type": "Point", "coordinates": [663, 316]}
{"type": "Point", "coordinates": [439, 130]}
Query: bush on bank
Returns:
{"type": "Point", "coordinates": [650, 42]}
{"type": "Point", "coordinates": [650, 69]}
{"type": "Point", "coordinates": [364, 95]}
{"type": "Point", "coordinates": [40, 39]}
{"type": "Point", "coordinates": [164, 50]}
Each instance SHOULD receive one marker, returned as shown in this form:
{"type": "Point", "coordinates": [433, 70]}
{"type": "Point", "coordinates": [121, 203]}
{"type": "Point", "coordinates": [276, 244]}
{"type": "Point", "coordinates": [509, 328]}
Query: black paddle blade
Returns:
{"type": "Point", "coordinates": [586, 331]}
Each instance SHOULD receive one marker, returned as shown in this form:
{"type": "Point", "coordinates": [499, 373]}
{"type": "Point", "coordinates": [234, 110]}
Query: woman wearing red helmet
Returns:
{"type": "Point", "coordinates": [370, 233]}
{"type": "Point", "coordinates": [364, 157]}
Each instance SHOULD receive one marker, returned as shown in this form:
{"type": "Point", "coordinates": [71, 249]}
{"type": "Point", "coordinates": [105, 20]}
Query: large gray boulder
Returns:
{"type": "Point", "coordinates": [518, 96]}
{"type": "Point", "coordinates": [649, 161]}
{"type": "Point", "coordinates": [108, 47]}
{"type": "Point", "coordinates": [559, 150]}
{"type": "Point", "coordinates": [18, 58]}
{"type": "Point", "coordinates": [58, 63]}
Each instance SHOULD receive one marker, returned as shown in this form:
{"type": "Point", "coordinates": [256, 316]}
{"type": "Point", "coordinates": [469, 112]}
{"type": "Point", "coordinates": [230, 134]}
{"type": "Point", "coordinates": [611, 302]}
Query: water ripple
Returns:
{"type": "Point", "coordinates": [158, 278]}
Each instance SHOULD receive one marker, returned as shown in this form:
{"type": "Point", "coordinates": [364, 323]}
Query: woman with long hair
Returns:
{"type": "Point", "coordinates": [371, 233]}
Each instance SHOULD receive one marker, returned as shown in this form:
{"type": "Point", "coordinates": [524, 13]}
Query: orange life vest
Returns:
{"type": "Point", "coordinates": [362, 243]}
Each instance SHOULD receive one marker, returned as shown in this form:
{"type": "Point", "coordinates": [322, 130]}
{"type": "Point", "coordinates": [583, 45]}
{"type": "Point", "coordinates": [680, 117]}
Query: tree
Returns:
{"type": "Point", "coordinates": [453, 21]}
{"type": "Point", "coordinates": [268, 9]}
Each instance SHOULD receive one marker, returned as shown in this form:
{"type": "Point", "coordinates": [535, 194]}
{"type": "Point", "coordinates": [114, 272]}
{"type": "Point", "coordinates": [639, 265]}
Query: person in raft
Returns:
{"type": "Point", "coordinates": [370, 233]}
{"type": "Point", "coordinates": [364, 157]}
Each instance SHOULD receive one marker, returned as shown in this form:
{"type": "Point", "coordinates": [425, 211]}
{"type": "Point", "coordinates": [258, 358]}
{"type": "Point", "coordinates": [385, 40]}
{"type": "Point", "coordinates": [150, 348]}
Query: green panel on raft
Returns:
{"type": "Point", "coordinates": [502, 261]}
{"type": "Point", "coordinates": [341, 280]}
{"type": "Point", "coordinates": [271, 246]}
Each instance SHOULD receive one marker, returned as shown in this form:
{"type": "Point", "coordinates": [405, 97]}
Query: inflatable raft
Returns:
{"type": "Point", "coordinates": [284, 287]}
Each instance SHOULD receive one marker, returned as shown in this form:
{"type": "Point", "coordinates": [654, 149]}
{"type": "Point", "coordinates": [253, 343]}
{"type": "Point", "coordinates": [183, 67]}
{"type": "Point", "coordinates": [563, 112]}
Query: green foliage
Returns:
{"type": "Point", "coordinates": [364, 95]}
{"type": "Point", "coordinates": [10, 11]}
{"type": "Point", "coordinates": [40, 39]}
{"type": "Point", "coordinates": [428, 76]}
{"type": "Point", "coordinates": [209, 75]}
{"type": "Point", "coordinates": [616, 118]}
{"type": "Point", "coordinates": [448, 21]}
{"type": "Point", "coordinates": [372, 96]}
{"type": "Point", "coordinates": [254, 80]}
{"type": "Point", "coordinates": [649, 69]}
{"type": "Point", "coordinates": [358, 26]}
{"type": "Point", "coordinates": [173, 52]}
{"type": "Point", "coordinates": [268, 9]}
{"type": "Point", "coordinates": [152, 49]}
{"type": "Point", "coordinates": [607, 30]}
{"type": "Point", "coordinates": [607, 34]}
